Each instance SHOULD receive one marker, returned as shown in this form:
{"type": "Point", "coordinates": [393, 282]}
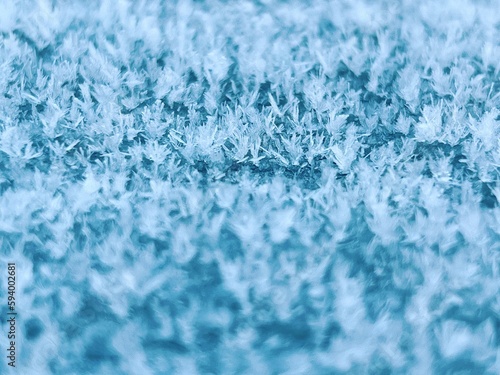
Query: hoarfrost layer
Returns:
{"type": "Point", "coordinates": [252, 187]}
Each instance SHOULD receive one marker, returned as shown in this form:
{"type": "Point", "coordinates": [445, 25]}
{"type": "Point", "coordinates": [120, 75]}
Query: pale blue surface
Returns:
{"type": "Point", "coordinates": [265, 187]}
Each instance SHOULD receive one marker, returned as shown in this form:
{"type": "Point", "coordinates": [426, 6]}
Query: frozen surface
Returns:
{"type": "Point", "coordinates": [268, 187]}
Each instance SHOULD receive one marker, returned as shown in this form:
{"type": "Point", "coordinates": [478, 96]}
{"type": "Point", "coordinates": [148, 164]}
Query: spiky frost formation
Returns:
{"type": "Point", "coordinates": [252, 187]}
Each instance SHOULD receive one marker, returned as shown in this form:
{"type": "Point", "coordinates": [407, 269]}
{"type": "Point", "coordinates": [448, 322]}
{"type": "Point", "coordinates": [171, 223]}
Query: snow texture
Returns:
{"type": "Point", "coordinates": [251, 187]}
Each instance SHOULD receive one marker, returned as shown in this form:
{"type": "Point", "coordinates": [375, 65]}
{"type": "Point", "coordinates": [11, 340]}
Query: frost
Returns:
{"type": "Point", "coordinates": [429, 127]}
{"type": "Point", "coordinates": [252, 187]}
{"type": "Point", "coordinates": [280, 224]}
{"type": "Point", "coordinates": [409, 87]}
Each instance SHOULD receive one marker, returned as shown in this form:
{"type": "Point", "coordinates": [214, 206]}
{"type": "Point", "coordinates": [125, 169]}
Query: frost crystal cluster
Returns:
{"type": "Point", "coordinates": [251, 187]}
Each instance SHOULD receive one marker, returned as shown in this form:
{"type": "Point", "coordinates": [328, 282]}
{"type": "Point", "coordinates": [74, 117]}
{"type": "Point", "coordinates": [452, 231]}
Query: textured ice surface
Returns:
{"type": "Point", "coordinates": [267, 187]}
